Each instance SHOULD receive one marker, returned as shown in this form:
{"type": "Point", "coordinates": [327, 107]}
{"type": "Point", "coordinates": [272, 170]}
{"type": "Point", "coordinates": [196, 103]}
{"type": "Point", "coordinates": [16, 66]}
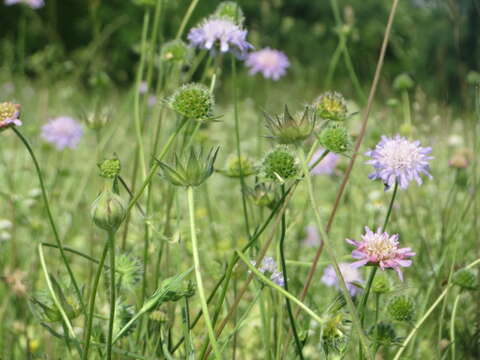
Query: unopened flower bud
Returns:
{"type": "Point", "coordinates": [403, 82]}
{"type": "Point", "coordinates": [110, 168]}
{"type": "Point", "coordinates": [384, 333]}
{"type": "Point", "coordinates": [401, 308]}
{"type": "Point", "coordinates": [237, 167]}
{"type": "Point", "coordinates": [108, 210]}
{"type": "Point", "coordinates": [335, 137]}
{"type": "Point", "coordinates": [407, 129]}
{"type": "Point", "coordinates": [194, 101]}
{"type": "Point", "coordinates": [381, 284]}
{"type": "Point", "coordinates": [231, 11]}
{"type": "Point", "coordinates": [465, 278]}
{"type": "Point", "coordinates": [176, 51]}
{"type": "Point", "coordinates": [280, 164]}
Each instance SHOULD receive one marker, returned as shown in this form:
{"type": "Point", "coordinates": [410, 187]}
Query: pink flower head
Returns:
{"type": "Point", "coordinates": [9, 115]}
{"type": "Point", "coordinates": [271, 63]}
{"type": "Point", "coordinates": [62, 132]}
{"type": "Point", "coordinates": [382, 249]}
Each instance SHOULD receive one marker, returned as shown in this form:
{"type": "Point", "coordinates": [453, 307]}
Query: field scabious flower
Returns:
{"type": "Point", "coordinates": [379, 248]}
{"type": "Point", "coordinates": [62, 132]}
{"type": "Point", "coordinates": [271, 63]}
{"type": "Point", "coordinates": [326, 166]}
{"type": "Point", "coordinates": [349, 273]}
{"type": "Point", "coordinates": [399, 160]}
{"type": "Point", "coordinates": [9, 115]}
{"type": "Point", "coordinates": [221, 31]}
{"type": "Point", "coordinates": [269, 268]}
{"type": "Point", "coordinates": [34, 4]}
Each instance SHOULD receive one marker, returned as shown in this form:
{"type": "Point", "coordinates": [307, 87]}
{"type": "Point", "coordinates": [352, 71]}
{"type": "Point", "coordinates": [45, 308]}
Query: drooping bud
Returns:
{"type": "Point", "coordinates": [335, 138]}
{"type": "Point", "coordinates": [108, 210]}
{"type": "Point", "coordinates": [287, 129]}
{"type": "Point", "coordinates": [280, 164]}
{"type": "Point", "coordinates": [331, 106]}
{"type": "Point", "coordinates": [194, 101]}
{"type": "Point", "coordinates": [176, 51]}
{"type": "Point", "coordinates": [465, 278]}
{"type": "Point", "coordinates": [191, 171]}
{"type": "Point", "coordinates": [9, 115]}
{"type": "Point", "coordinates": [401, 308]}
{"type": "Point", "coordinates": [403, 82]}
{"type": "Point", "coordinates": [231, 11]}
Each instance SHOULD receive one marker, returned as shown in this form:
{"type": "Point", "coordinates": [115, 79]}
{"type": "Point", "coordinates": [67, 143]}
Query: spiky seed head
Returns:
{"type": "Point", "coordinates": [108, 210]}
{"type": "Point", "coordinates": [230, 10]}
{"type": "Point", "coordinates": [331, 106]}
{"type": "Point", "coordinates": [192, 170]}
{"type": "Point", "coordinates": [401, 308]}
{"type": "Point", "coordinates": [384, 333]}
{"type": "Point", "coordinates": [287, 129]}
{"type": "Point", "coordinates": [176, 51]}
{"type": "Point", "coordinates": [280, 164]}
{"type": "Point", "coordinates": [465, 278]}
{"type": "Point", "coordinates": [335, 138]}
{"type": "Point", "coordinates": [194, 101]}
{"type": "Point", "coordinates": [403, 82]}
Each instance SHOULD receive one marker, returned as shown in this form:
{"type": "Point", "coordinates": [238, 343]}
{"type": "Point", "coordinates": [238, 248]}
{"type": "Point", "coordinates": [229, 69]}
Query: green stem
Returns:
{"type": "Point", "coordinates": [198, 275]}
{"type": "Point", "coordinates": [111, 242]}
{"type": "Point", "coordinates": [237, 138]}
{"type": "Point", "coordinates": [93, 296]}
{"type": "Point", "coordinates": [285, 278]}
{"type": "Point", "coordinates": [343, 287]}
{"type": "Point", "coordinates": [50, 216]}
{"type": "Point", "coordinates": [187, 16]}
{"type": "Point", "coordinates": [452, 325]}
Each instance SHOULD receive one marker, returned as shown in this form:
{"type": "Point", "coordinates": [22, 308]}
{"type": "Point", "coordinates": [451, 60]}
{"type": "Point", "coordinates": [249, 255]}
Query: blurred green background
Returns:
{"type": "Point", "coordinates": [436, 42]}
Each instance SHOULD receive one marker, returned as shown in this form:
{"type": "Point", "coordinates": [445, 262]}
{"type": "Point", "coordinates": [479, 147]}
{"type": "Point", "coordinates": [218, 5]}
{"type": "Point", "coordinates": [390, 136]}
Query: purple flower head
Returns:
{"type": "Point", "coordinates": [326, 166]}
{"type": "Point", "coordinates": [152, 101]}
{"type": "Point", "coordinates": [312, 238]}
{"type": "Point", "coordinates": [269, 268]}
{"type": "Point", "coordinates": [381, 249]}
{"type": "Point", "coordinates": [34, 4]}
{"type": "Point", "coordinates": [350, 274]}
{"type": "Point", "coordinates": [9, 115]}
{"type": "Point", "coordinates": [143, 88]}
{"type": "Point", "coordinates": [271, 63]}
{"type": "Point", "coordinates": [398, 159]}
{"type": "Point", "coordinates": [222, 32]}
{"type": "Point", "coordinates": [62, 132]}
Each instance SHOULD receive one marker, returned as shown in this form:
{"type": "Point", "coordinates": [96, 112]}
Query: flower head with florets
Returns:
{"type": "Point", "coordinates": [9, 115]}
{"type": "Point", "coordinates": [271, 63]}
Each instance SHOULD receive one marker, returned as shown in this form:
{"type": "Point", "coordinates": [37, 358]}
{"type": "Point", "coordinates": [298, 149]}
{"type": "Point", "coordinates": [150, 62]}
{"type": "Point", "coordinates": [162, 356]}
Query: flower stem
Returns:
{"type": "Point", "coordinates": [111, 242]}
{"type": "Point", "coordinates": [198, 275]}
{"type": "Point", "coordinates": [285, 278]}
{"type": "Point", "coordinates": [49, 215]}
{"type": "Point", "coordinates": [93, 296]}
{"type": "Point", "coordinates": [343, 287]}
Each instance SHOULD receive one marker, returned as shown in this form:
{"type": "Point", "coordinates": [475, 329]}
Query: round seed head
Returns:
{"type": "Point", "coordinates": [335, 137]}
{"type": "Point", "coordinates": [331, 106]}
{"type": "Point", "coordinates": [194, 101]}
{"type": "Point", "coordinates": [280, 164]}
{"type": "Point", "coordinates": [466, 279]}
{"type": "Point", "coordinates": [401, 308]}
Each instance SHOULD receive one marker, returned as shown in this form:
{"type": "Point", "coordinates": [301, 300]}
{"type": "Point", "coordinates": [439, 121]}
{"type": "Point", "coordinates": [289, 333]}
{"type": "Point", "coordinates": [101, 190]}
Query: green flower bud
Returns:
{"type": "Point", "coordinates": [465, 278]}
{"type": "Point", "coordinates": [231, 11]}
{"type": "Point", "coordinates": [110, 168]}
{"type": "Point", "coordinates": [381, 284]}
{"type": "Point", "coordinates": [237, 167]}
{"type": "Point", "coordinates": [280, 164]}
{"type": "Point", "coordinates": [191, 171]}
{"type": "Point", "coordinates": [403, 82]}
{"type": "Point", "coordinates": [407, 129]}
{"type": "Point", "coordinates": [384, 333]}
{"type": "Point", "coordinates": [288, 129]}
{"type": "Point", "coordinates": [393, 103]}
{"type": "Point", "coordinates": [261, 195]}
{"type": "Point", "coordinates": [335, 137]}
{"type": "Point", "coordinates": [194, 101]}
{"type": "Point", "coordinates": [401, 308]}
{"type": "Point", "coordinates": [473, 78]}
{"type": "Point", "coordinates": [331, 106]}
{"type": "Point", "coordinates": [108, 210]}
{"type": "Point", "coordinates": [176, 51]}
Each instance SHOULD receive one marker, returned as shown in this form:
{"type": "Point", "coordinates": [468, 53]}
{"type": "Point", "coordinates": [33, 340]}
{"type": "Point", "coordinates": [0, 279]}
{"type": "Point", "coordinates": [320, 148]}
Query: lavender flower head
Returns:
{"type": "Point", "coordinates": [350, 274]}
{"type": "Point", "coordinates": [399, 160]}
{"type": "Point", "coordinates": [34, 4]}
{"type": "Point", "coordinates": [62, 132]}
{"type": "Point", "coordinates": [271, 63]}
{"type": "Point", "coordinates": [269, 269]}
{"type": "Point", "coordinates": [381, 249]}
{"type": "Point", "coordinates": [9, 115]}
{"type": "Point", "coordinates": [326, 166]}
{"type": "Point", "coordinates": [222, 32]}
{"type": "Point", "coordinates": [312, 238]}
